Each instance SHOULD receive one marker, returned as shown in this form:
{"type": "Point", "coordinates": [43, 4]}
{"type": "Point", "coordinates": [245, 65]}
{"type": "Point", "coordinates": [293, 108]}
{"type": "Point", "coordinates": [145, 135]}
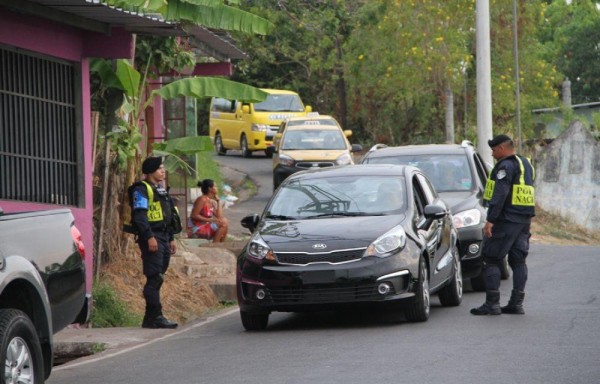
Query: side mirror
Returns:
{"type": "Point", "coordinates": [245, 108]}
{"type": "Point", "coordinates": [347, 132]}
{"type": "Point", "coordinates": [356, 148]}
{"type": "Point", "coordinates": [308, 109]}
{"type": "Point", "coordinates": [250, 222]}
{"type": "Point", "coordinates": [278, 135]}
{"type": "Point", "coordinates": [433, 212]}
{"type": "Point", "coordinates": [271, 149]}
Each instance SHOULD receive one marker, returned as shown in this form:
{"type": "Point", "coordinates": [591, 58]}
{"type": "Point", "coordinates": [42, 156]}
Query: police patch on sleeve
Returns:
{"type": "Point", "coordinates": [139, 201]}
{"type": "Point", "coordinates": [501, 174]}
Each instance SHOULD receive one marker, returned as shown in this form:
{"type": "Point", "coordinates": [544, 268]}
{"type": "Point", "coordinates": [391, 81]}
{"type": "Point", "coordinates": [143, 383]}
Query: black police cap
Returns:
{"type": "Point", "coordinates": [498, 140]}
{"type": "Point", "coordinates": [151, 165]}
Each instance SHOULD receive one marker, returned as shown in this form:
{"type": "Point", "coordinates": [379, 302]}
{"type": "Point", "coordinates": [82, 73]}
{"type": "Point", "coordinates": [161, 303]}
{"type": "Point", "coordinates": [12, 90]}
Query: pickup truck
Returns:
{"type": "Point", "coordinates": [42, 289]}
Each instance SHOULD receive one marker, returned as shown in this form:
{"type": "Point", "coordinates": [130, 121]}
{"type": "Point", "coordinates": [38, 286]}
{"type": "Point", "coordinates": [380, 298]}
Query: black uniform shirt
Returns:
{"type": "Point", "coordinates": [506, 173]}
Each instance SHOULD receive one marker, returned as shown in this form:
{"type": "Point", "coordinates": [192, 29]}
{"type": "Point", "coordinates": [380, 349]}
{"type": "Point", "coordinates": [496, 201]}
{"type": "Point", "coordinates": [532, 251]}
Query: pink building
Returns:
{"type": "Point", "coordinates": [45, 115]}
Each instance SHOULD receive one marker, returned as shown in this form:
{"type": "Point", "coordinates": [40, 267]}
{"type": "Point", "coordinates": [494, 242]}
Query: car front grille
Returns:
{"type": "Point", "coordinates": [315, 164]}
{"type": "Point", "coordinates": [303, 258]}
{"type": "Point", "coordinates": [324, 294]}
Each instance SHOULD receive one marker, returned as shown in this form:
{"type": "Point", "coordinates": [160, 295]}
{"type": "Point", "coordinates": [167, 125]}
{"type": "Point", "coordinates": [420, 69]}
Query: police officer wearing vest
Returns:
{"type": "Point", "coordinates": [510, 196]}
{"type": "Point", "coordinates": [155, 238]}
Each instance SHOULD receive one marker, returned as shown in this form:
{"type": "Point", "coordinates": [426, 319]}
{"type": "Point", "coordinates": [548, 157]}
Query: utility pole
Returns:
{"type": "Point", "coordinates": [484, 79]}
{"type": "Point", "coordinates": [517, 75]}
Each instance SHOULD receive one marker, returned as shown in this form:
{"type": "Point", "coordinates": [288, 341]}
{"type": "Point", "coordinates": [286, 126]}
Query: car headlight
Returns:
{"type": "Point", "coordinates": [258, 249]}
{"type": "Point", "coordinates": [259, 127]}
{"type": "Point", "coordinates": [467, 218]}
{"type": "Point", "coordinates": [344, 159]}
{"type": "Point", "coordinates": [286, 160]}
{"type": "Point", "coordinates": [390, 242]}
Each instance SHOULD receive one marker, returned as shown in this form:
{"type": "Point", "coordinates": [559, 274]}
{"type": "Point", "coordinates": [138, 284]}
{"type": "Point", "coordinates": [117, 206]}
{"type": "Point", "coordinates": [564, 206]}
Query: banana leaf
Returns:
{"type": "Point", "coordinates": [174, 150]}
{"type": "Point", "coordinates": [204, 87]}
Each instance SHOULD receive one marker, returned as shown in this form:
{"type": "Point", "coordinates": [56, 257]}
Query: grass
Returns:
{"type": "Point", "coordinates": [109, 311]}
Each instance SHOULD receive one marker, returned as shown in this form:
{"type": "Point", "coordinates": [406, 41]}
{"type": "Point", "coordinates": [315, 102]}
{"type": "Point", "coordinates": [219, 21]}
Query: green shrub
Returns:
{"type": "Point", "coordinates": [109, 311]}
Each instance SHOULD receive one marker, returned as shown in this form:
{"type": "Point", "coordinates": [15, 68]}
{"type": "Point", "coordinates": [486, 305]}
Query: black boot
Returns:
{"type": "Point", "coordinates": [155, 319]}
{"type": "Point", "coordinates": [162, 322]}
{"type": "Point", "coordinates": [515, 304]}
{"type": "Point", "coordinates": [491, 305]}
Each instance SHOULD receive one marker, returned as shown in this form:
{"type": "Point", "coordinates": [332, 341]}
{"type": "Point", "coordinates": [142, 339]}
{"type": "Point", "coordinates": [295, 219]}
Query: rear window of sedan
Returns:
{"type": "Point", "coordinates": [447, 173]}
{"type": "Point", "coordinates": [340, 196]}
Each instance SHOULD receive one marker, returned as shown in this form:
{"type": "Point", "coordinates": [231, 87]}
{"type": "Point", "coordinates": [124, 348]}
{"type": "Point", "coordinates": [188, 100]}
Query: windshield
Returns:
{"type": "Point", "coordinates": [447, 173]}
{"type": "Point", "coordinates": [339, 196]}
{"type": "Point", "coordinates": [280, 103]}
{"type": "Point", "coordinates": [313, 138]}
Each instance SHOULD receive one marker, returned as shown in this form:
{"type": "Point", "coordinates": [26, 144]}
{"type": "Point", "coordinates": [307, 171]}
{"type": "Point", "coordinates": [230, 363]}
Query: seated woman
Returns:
{"type": "Point", "coordinates": [207, 214]}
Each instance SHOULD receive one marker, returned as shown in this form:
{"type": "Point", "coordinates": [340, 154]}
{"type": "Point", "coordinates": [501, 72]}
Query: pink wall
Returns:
{"type": "Point", "coordinates": [53, 39]}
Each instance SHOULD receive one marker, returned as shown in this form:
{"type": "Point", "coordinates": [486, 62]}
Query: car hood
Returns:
{"type": "Point", "coordinates": [329, 233]}
{"type": "Point", "coordinates": [314, 154]}
{"type": "Point", "coordinates": [461, 201]}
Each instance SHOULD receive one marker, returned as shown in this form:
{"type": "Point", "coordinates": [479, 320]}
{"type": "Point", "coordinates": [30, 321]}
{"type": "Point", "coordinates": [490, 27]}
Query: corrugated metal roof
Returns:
{"type": "Point", "coordinates": [97, 16]}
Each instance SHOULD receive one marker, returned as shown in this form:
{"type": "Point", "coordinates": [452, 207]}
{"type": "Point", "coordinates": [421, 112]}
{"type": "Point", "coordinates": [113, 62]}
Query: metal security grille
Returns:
{"type": "Point", "coordinates": [39, 129]}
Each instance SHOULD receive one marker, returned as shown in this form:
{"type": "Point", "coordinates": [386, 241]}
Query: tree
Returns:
{"type": "Point", "coordinates": [398, 83]}
{"type": "Point", "coordinates": [571, 36]}
{"type": "Point", "coordinates": [304, 52]}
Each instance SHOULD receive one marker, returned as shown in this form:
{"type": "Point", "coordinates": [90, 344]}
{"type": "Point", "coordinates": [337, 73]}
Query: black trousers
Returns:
{"type": "Point", "coordinates": [510, 239]}
{"type": "Point", "coordinates": [155, 264]}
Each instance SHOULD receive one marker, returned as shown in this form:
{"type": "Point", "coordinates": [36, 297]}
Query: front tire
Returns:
{"type": "Point", "coordinates": [418, 311]}
{"type": "Point", "coordinates": [21, 350]}
{"type": "Point", "coordinates": [219, 148]}
{"type": "Point", "coordinates": [244, 146]}
{"type": "Point", "coordinates": [254, 321]}
{"type": "Point", "coordinates": [451, 294]}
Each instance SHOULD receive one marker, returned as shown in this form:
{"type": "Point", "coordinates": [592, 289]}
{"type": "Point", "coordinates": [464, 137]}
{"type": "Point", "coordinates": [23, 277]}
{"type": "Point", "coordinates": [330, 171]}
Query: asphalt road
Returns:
{"type": "Point", "coordinates": [557, 341]}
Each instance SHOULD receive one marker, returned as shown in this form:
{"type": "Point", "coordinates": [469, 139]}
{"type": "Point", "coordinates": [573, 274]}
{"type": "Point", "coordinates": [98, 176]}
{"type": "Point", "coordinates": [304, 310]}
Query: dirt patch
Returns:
{"type": "Point", "coordinates": [552, 229]}
{"type": "Point", "coordinates": [183, 298]}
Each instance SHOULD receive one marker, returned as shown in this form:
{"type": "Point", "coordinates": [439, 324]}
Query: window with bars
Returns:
{"type": "Point", "coordinates": [40, 129]}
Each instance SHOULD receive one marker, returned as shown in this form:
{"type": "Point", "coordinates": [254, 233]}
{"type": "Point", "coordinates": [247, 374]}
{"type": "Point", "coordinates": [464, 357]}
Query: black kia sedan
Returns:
{"type": "Point", "coordinates": [348, 236]}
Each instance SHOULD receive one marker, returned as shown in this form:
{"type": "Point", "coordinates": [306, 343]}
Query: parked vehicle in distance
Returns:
{"type": "Point", "coordinates": [250, 127]}
{"type": "Point", "coordinates": [42, 289]}
{"type": "Point", "coordinates": [349, 236]}
{"type": "Point", "coordinates": [458, 174]}
{"type": "Point", "coordinates": [313, 141]}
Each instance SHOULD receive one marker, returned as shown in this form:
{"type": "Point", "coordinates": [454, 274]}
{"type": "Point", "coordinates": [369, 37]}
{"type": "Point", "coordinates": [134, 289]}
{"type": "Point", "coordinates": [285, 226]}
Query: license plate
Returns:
{"type": "Point", "coordinates": [318, 277]}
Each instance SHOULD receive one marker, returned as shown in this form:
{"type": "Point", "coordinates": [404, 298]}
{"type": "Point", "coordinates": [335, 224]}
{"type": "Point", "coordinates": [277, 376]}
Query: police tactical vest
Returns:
{"type": "Point", "coordinates": [155, 212]}
{"type": "Point", "coordinates": [522, 194]}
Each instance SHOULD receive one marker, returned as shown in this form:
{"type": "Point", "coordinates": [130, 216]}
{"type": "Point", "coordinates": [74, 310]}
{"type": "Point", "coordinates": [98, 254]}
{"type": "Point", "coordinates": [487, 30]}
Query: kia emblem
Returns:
{"type": "Point", "coordinates": [319, 246]}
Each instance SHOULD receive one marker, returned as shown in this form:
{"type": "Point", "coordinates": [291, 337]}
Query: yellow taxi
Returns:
{"type": "Point", "coordinates": [250, 127]}
{"type": "Point", "coordinates": [313, 141]}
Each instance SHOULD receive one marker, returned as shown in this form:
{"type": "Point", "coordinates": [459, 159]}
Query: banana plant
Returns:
{"type": "Point", "coordinates": [215, 14]}
{"type": "Point", "coordinates": [126, 137]}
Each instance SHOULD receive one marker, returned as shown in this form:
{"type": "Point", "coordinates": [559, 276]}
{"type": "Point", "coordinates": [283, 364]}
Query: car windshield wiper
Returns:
{"type": "Point", "coordinates": [280, 217]}
{"type": "Point", "coordinates": [346, 214]}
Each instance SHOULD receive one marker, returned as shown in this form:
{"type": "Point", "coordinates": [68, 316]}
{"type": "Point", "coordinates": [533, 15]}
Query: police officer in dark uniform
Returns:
{"type": "Point", "coordinates": [511, 205]}
{"type": "Point", "coordinates": [152, 214]}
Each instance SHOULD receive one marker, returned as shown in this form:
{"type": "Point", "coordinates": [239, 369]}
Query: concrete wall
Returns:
{"type": "Point", "coordinates": [568, 177]}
